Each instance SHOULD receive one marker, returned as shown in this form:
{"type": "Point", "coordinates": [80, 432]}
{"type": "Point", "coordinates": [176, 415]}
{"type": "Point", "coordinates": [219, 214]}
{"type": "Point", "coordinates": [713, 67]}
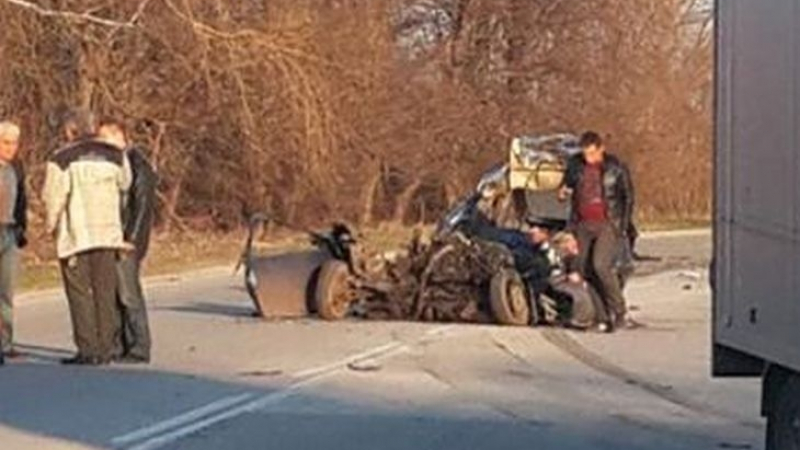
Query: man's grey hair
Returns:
{"type": "Point", "coordinates": [9, 129]}
{"type": "Point", "coordinates": [79, 122]}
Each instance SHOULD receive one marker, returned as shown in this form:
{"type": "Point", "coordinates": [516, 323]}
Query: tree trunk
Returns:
{"type": "Point", "coordinates": [170, 201]}
{"type": "Point", "coordinates": [370, 196]}
{"type": "Point", "coordinates": [405, 198]}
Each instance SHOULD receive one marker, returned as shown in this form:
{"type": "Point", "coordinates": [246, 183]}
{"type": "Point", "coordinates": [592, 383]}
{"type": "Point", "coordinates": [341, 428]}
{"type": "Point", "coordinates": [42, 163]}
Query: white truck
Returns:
{"type": "Point", "coordinates": [756, 274]}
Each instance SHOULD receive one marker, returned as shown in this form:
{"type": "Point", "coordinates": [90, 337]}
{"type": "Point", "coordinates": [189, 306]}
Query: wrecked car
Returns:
{"type": "Point", "coordinates": [461, 275]}
{"type": "Point", "coordinates": [475, 266]}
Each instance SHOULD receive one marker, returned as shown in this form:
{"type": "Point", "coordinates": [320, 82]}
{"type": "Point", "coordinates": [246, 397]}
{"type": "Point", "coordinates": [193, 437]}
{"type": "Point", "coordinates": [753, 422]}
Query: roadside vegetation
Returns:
{"type": "Point", "coordinates": [369, 112]}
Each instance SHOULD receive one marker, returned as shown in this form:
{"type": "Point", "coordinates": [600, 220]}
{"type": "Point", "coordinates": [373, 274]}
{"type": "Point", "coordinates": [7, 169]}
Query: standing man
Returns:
{"type": "Point", "coordinates": [84, 185]}
{"type": "Point", "coordinates": [137, 220]}
{"type": "Point", "coordinates": [13, 222]}
{"type": "Point", "coordinates": [601, 192]}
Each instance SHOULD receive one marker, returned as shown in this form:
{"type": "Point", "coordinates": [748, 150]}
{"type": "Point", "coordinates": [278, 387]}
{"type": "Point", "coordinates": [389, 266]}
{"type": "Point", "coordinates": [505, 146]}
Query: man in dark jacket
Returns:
{"type": "Point", "coordinates": [599, 186]}
{"type": "Point", "coordinates": [137, 219]}
{"type": "Point", "coordinates": [13, 223]}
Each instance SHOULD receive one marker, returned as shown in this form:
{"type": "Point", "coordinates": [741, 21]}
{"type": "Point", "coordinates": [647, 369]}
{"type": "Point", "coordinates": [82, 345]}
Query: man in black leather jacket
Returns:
{"type": "Point", "coordinates": [600, 189]}
{"type": "Point", "coordinates": [137, 220]}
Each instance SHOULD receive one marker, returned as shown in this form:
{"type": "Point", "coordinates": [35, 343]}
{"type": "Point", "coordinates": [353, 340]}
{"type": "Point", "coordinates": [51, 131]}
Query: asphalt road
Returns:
{"type": "Point", "coordinates": [222, 379]}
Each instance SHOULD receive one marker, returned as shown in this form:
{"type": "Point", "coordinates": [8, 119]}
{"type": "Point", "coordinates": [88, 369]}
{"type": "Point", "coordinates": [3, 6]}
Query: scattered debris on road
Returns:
{"type": "Point", "coordinates": [262, 373]}
{"type": "Point", "coordinates": [365, 366]}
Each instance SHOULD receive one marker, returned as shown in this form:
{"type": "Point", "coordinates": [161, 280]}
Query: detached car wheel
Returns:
{"type": "Point", "coordinates": [508, 299]}
{"type": "Point", "coordinates": [333, 294]}
{"type": "Point", "coordinates": [783, 425]}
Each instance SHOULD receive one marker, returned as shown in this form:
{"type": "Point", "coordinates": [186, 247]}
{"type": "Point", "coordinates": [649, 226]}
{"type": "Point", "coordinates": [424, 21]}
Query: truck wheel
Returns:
{"type": "Point", "coordinates": [333, 294]}
{"type": "Point", "coordinates": [783, 424]}
{"type": "Point", "coordinates": [508, 299]}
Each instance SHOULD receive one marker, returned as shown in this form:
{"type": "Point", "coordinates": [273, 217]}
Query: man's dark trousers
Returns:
{"type": "Point", "coordinates": [599, 246]}
{"type": "Point", "coordinates": [90, 281]}
{"type": "Point", "coordinates": [135, 336]}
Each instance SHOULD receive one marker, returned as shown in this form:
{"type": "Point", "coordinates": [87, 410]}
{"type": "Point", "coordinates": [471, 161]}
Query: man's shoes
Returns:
{"type": "Point", "coordinates": [631, 324]}
{"type": "Point", "coordinates": [131, 359]}
{"type": "Point", "coordinates": [604, 327]}
{"type": "Point", "coordinates": [627, 323]}
{"type": "Point", "coordinates": [76, 360]}
{"type": "Point", "coordinates": [82, 360]}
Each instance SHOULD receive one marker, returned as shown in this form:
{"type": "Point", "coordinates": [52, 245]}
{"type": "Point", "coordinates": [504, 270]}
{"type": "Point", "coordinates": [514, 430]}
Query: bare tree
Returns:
{"type": "Point", "coordinates": [367, 111]}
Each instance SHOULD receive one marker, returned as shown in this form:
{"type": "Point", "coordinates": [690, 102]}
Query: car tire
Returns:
{"type": "Point", "coordinates": [783, 424]}
{"type": "Point", "coordinates": [333, 294]}
{"type": "Point", "coordinates": [508, 299]}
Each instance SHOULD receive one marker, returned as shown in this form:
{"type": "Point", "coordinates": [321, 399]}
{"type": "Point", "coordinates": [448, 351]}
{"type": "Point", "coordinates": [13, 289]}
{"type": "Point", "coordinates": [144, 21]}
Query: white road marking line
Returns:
{"type": "Point", "coordinates": [377, 351]}
{"type": "Point", "coordinates": [183, 419]}
{"type": "Point", "coordinates": [267, 400]}
{"type": "Point", "coordinates": [152, 441]}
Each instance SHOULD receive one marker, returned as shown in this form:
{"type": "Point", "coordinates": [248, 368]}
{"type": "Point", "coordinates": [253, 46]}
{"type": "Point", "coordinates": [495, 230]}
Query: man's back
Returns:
{"type": "Point", "coordinates": [83, 196]}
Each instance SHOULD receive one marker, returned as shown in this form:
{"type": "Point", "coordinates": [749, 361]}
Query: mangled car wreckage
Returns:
{"type": "Point", "coordinates": [477, 266]}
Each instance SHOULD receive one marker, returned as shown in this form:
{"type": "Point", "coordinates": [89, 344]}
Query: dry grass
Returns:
{"type": "Point", "coordinates": [676, 224]}
{"type": "Point", "coordinates": [168, 255]}
{"type": "Point", "coordinates": [175, 253]}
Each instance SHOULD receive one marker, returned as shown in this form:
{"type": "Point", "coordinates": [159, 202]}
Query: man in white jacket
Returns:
{"type": "Point", "coordinates": [84, 185]}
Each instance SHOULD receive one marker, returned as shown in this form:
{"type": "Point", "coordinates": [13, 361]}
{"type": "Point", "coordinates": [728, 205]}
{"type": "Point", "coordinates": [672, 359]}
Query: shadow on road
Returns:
{"type": "Point", "coordinates": [214, 309]}
{"type": "Point", "coordinates": [116, 407]}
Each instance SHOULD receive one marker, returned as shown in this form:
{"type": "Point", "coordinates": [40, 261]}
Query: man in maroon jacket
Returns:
{"type": "Point", "coordinates": [601, 191]}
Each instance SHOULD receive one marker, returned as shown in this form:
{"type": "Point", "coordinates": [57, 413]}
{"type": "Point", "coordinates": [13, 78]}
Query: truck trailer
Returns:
{"type": "Point", "coordinates": [756, 270]}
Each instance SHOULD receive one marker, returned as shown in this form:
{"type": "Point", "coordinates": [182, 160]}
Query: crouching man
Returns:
{"type": "Point", "coordinates": [563, 296]}
{"type": "Point", "coordinates": [549, 266]}
{"type": "Point", "coordinates": [568, 287]}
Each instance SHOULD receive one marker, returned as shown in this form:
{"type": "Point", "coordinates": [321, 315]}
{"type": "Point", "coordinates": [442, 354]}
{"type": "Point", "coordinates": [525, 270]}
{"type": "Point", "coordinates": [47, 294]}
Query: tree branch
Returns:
{"type": "Point", "coordinates": [81, 17]}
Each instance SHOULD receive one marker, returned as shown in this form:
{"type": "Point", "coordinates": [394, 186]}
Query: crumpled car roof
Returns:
{"type": "Point", "coordinates": [533, 148]}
